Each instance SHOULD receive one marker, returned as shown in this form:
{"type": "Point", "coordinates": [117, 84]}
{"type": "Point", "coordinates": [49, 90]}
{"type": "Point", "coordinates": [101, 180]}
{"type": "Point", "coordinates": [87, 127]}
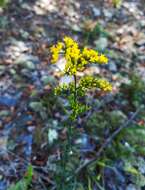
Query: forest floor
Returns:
{"type": "Point", "coordinates": [27, 29]}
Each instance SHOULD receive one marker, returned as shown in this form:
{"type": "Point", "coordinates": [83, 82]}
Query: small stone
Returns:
{"type": "Point", "coordinates": [31, 128]}
{"type": "Point", "coordinates": [28, 61]}
{"type": "Point", "coordinates": [4, 113]}
{"type": "Point", "coordinates": [76, 27]}
{"type": "Point", "coordinates": [2, 69]}
{"type": "Point", "coordinates": [142, 23]}
{"type": "Point", "coordinates": [108, 13]}
{"type": "Point", "coordinates": [96, 11]}
{"type": "Point", "coordinates": [101, 43]}
{"type": "Point", "coordinates": [13, 71]}
{"type": "Point", "coordinates": [140, 42]}
{"type": "Point", "coordinates": [24, 34]}
{"type": "Point", "coordinates": [30, 65]}
{"type": "Point", "coordinates": [131, 187]}
{"type": "Point", "coordinates": [8, 101]}
{"type": "Point", "coordinates": [112, 67]}
{"type": "Point", "coordinates": [48, 80]}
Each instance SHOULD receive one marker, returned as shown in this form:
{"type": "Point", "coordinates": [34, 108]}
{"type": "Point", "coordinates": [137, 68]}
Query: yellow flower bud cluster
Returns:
{"type": "Point", "coordinates": [93, 56]}
{"type": "Point", "coordinates": [69, 42]}
{"type": "Point", "coordinates": [89, 82]}
{"type": "Point", "coordinates": [72, 54]}
{"type": "Point", "coordinates": [76, 59]}
{"type": "Point", "coordinates": [55, 50]}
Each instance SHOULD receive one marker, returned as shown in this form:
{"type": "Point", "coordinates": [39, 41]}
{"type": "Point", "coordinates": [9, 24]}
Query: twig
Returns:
{"type": "Point", "coordinates": [107, 142]}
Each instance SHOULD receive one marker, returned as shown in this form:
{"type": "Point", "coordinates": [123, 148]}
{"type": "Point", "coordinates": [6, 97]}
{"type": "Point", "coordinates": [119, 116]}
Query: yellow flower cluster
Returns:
{"type": "Point", "coordinates": [76, 59]}
{"type": "Point", "coordinates": [69, 42]}
{"type": "Point", "coordinates": [89, 82]}
{"type": "Point", "coordinates": [72, 54]}
{"type": "Point", "coordinates": [104, 85]}
{"type": "Point", "coordinates": [55, 50]}
{"type": "Point", "coordinates": [93, 56]}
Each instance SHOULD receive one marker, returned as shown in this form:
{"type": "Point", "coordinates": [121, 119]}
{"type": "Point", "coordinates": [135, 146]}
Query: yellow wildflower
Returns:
{"type": "Point", "coordinates": [104, 85]}
{"type": "Point", "coordinates": [88, 82]}
{"type": "Point", "coordinates": [55, 50]}
{"type": "Point", "coordinates": [69, 42]}
{"type": "Point", "coordinates": [93, 56]}
{"type": "Point", "coordinates": [90, 55]}
{"type": "Point", "coordinates": [103, 59]}
{"type": "Point", "coordinates": [76, 59]}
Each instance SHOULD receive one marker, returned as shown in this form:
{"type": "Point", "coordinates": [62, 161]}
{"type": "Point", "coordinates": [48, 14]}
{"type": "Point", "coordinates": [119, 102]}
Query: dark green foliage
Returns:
{"type": "Point", "coordinates": [134, 91]}
{"type": "Point", "coordinates": [129, 145]}
{"type": "Point", "coordinates": [94, 33]}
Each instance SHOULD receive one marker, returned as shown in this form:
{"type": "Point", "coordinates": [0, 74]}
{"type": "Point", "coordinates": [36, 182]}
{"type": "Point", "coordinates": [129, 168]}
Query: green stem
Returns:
{"type": "Point", "coordinates": [68, 145]}
{"type": "Point", "coordinates": [75, 89]}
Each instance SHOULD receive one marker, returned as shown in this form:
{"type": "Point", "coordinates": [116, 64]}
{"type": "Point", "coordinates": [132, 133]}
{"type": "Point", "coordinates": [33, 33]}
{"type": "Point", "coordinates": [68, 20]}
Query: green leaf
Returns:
{"type": "Point", "coordinates": [25, 182]}
{"type": "Point", "coordinates": [130, 169]}
{"type": "Point", "coordinates": [89, 184]}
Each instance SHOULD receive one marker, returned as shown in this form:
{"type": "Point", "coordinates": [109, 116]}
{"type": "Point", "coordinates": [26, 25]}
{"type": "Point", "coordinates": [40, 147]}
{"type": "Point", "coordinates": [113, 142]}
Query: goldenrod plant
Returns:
{"type": "Point", "coordinates": [76, 60]}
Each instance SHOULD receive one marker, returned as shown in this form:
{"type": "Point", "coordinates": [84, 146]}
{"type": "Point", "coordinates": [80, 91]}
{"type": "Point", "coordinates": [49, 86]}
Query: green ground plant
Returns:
{"type": "Point", "coordinates": [128, 145]}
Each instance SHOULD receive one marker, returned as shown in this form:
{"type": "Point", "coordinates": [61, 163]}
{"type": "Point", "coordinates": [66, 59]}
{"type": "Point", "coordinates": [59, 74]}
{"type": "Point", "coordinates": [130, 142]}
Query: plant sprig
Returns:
{"type": "Point", "coordinates": [76, 61]}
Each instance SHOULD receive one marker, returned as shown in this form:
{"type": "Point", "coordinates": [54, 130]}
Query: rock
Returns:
{"type": "Point", "coordinates": [4, 113]}
{"type": "Point", "coordinates": [140, 43]}
{"type": "Point", "coordinates": [142, 23]}
{"type": "Point", "coordinates": [108, 13]}
{"type": "Point", "coordinates": [112, 67]}
{"type": "Point", "coordinates": [101, 43]}
{"type": "Point", "coordinates": [31, 128]}
{"type": "Point", "coordinates": [3, 22]}
{"type": "Point", "coordinates": [48, 80]}
{"type": "Point", "coordinates": [13, 71]}
{"type": "Point", "coordinates": [75, 27]}
{"type": "Point", "coordinates": [3, 184]}
{"type": "Point", "coordinates": [20, 46]}
{"type": "Point", "coordinates": [2, 69]}
{"type": "Point", "coordinates": [24, 34]}
{"type": "Point", "coordinates": [30, 65]}
{"type": "Point", "coordinates": [96, 11]}
{"type": "Point", "coordinates": [132, 187]}
{"type": "Point", "coordinates": [28, 61]}
{"type": "Point", "coordinates": [9, 101]}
